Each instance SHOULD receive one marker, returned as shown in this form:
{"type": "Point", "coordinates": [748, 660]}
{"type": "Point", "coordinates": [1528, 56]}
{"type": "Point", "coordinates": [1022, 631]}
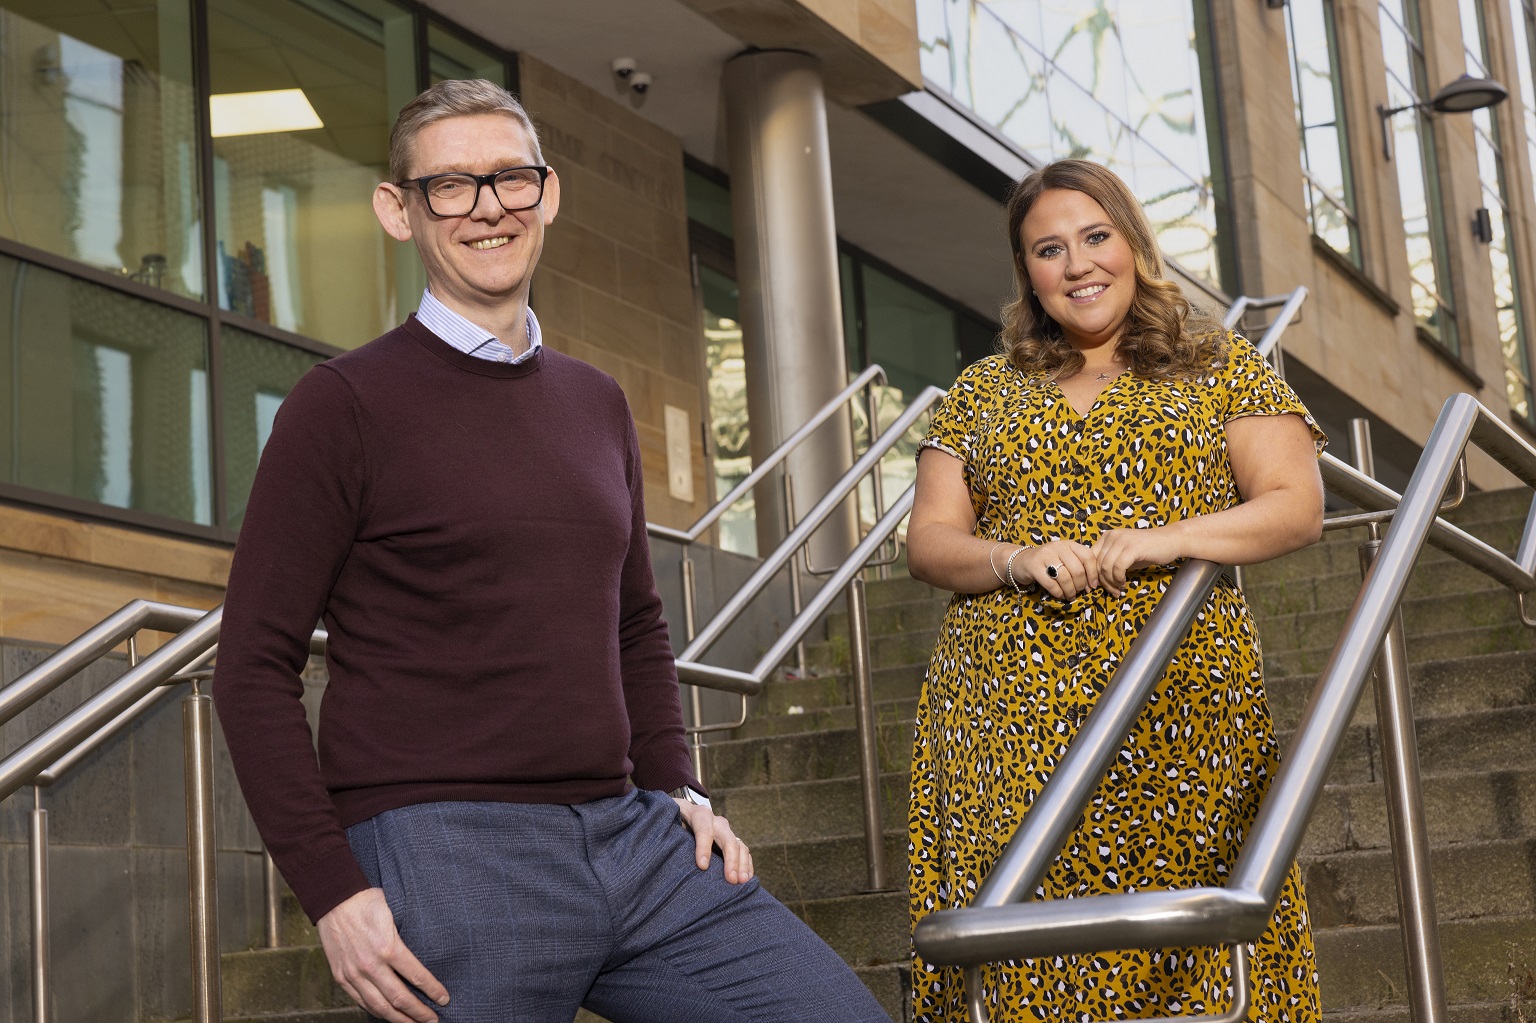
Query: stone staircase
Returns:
{"type": "Point", "coordinates": [788, 780]}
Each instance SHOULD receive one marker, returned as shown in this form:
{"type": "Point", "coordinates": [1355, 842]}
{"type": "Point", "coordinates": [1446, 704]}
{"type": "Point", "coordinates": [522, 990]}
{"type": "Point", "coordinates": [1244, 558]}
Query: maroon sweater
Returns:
{"type": "Point", "coordinates": [473, 536]}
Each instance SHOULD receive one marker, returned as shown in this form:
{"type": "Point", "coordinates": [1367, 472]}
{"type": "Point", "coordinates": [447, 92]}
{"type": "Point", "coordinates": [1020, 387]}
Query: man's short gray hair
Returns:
{"type": "Point", "coordinates": [456, 97]}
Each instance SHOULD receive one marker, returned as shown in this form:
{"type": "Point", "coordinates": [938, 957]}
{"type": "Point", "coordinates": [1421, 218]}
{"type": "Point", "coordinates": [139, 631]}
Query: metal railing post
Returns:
{"type": "Point", "coordinates": [869, 751]}
{"type": "Point", "coordinates": [1405, 797]}
{"type": "Point", "coordinates": [272, 890]}
{"type": "Point", "coordinates": [202, 879]}
{"type": "Point", "coordinates": [695, 696]}
{"type": "Point", "coordinates": [42, 992]}
{"type": "Point", "coordinates": [795, 596]}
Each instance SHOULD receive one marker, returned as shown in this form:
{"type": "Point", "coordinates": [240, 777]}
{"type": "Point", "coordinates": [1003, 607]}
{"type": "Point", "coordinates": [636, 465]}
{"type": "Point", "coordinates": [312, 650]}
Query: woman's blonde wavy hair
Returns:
{"type": "Point", "coordinates": [1164, 335]}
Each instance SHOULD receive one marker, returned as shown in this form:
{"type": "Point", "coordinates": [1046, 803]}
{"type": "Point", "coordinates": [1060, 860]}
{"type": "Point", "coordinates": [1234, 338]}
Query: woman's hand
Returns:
{"type": "Point", "coordinates": [1076, 567]}
{"type": "Point", "coordinates": [1120, 551]}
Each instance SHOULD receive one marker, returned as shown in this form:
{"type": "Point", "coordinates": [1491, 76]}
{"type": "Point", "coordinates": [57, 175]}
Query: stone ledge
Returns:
{"type": "Point", "coordinates": [116, 547]}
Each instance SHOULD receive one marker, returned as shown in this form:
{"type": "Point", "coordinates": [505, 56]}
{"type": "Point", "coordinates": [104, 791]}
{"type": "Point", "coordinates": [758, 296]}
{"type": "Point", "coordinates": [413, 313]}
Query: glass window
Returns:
{"type": "Point", "coordinates": [303, 93]}
{"type": "Point", "coordinates": [1501, 253]}
{"type": "Point", "coordinates": [106, 395]}
{"type": "Point", "coordinates": [449, 57]}
{"type": "Point", "coordinates": [726, 367]}
{"type": "Point", "coordinates": [257, 376]}
{"type": "Point", "coordinates": [1121, 82]}
{"type": "Point", "coordinates": [1328, 187]}
{"type": "Point", "coordinates": [1517, 361]}
{"type": "Point", "coordinates": [709, 202]}
{"type": "Point", "coordinates": [100, 155]}
{"type": "Point", "coordinates": [914, 337]}
{"type": "Point", "coordinates": [1418, 172]}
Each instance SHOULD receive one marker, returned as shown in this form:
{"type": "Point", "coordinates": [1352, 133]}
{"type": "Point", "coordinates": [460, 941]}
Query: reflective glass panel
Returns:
{"type": "Point", "coordinates": [106, 398]}
{"type": "Point", "coordinates": [1501, 254]}
{"type": "Point", "coordinates": [1114, 81]}
{"type": "Point", "coordinates": [1418, 176]}
{"type": "Point", "coordinates": [915, 339]}
{"type": "Point", "coordinates": [1326, 179]}
{"type": "Point", "coordinates": [709, 202]}
{"type": "Point", "coordinates": [99, 161]}
{"type": "Point", "coordinates": [258, 373]}
{"type": "Point", "coordinates": [298, 245]}
{"type": "Point", "coordinates": [448, 57]}
{"type": "Point", "coordinates": [726, 368]}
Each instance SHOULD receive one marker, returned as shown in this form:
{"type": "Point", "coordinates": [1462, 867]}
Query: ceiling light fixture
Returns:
{"type": "Point", "coordinates": [261, 113]}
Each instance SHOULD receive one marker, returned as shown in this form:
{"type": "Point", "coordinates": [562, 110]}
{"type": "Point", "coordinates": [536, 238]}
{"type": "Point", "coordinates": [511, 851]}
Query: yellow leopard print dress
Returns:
{"type": "Point", "coordinates": [1014, 675]}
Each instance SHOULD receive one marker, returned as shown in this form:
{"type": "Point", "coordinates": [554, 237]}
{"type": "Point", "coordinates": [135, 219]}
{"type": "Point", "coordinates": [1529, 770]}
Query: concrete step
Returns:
{"type": "Point", "coordinates": [1474, 1012]}
{"type": "Point", "coordinates": [800, 870]}
{"type": "Point", "coordinates": [806, 810]}
{"type": "Point", "coordinates": [891, 984]}
{"type": "Point", "coordinates": [1337, 591]}
{"type": "Point", "coordinates": [804, 756]}
{"type": "Point", "coordinates": [351, 1014]}
{"type": "Point", "coordinates": [813, 719]}
{"type": "Point", "coordinates": [1468, 807]}
{"type": "Point", "coordinates": [269, 980]}
{"type": "Point", "coordinates": [866, 930]}
{"type": "Point", "coordinates": [1358, 966]}
{"type": "Point", "coordinates": [1466, 609]}
{"type": "Point", "coordinates": [1422, 646]}
{"type": "Point", "coordinates": [915, 645]}
{"type": "Point", "coordinates": [900, 589]}
{"type": "Point", "coordinates": [1443, 687]}
{"type": "Point", "coordinates": [1474, 879]}
{"type": "Point", "coordinates": [1363, 966]}
{"type": "Point", "coordinates": [1453, 744]}
{"type": "Point", "coordinates": [835, 689]}
{"type": "Point", "coordinates": [901, 616]}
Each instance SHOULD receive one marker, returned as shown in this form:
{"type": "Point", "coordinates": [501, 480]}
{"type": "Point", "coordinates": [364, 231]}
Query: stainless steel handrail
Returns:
{"type": "Point", "coordinates": [845, 578]}
{"type": "Point", "coordinates": [55, 750]}
{"type": "Point", "coordinates": [864, 380]}
{"type": "Point", "coordinates": [1290, 307]}
{"type": "Point", "coordinates": [1004, 928]}
{"type": "Point", "coordinates": [787, 548]}
{"type": "Point", "coordinates": [870, 375]}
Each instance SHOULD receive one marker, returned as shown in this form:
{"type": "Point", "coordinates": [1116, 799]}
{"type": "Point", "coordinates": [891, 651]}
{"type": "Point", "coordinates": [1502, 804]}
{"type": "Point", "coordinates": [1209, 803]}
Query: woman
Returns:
{"type": "Point", "coordinates": [1058, 488]}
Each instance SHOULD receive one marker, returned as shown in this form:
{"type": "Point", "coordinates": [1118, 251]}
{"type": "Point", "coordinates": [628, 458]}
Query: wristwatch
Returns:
{"type": "Point", "coordinates": [685, 793]}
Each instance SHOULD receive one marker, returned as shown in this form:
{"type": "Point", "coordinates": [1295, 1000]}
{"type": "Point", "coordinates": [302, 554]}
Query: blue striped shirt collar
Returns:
{"type": "Point", "coordinates": [470, 338]}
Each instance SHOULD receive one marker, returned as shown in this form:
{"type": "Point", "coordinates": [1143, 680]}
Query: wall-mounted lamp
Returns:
{"type": "Point", "coordinates": [1482, 225]}
{"type": "Point", "coordinates": [1461, 96]}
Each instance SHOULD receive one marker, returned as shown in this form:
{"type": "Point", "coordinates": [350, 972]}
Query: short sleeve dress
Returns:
{"type": "Point", "coordinates": [1013, 676]}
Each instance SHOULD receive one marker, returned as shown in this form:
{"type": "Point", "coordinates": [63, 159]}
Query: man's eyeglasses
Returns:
{"type": "Point", "coordinates": [454, 194]}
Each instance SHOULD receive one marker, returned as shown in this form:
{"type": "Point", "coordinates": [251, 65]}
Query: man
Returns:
{"type": "Point", "coordinates": [462, 507]}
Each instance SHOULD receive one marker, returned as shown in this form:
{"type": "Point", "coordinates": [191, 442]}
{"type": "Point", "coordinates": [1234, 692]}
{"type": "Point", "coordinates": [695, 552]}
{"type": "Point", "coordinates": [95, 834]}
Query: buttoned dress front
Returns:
{"type": "Point", "coordinates": [1014, 674]}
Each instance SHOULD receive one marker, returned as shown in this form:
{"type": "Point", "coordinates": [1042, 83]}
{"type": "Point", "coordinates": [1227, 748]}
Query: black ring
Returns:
{"type": "Point", "coordinates": [1050, 570]}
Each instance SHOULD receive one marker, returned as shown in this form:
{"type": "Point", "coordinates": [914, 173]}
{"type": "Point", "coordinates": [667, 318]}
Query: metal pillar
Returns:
{"type": "Point", "coordinates": [787, 268]}
{"type": "Point", "coordinates": [202, 878]}
{"type": "Point", "coordinates": [1405, 798]}
{"type": "Point", "coordinates": [42, 993]}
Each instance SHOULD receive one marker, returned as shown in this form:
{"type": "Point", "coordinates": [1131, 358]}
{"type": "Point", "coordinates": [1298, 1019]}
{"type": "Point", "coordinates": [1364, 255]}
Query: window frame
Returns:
{"type": "Point", "coordinates": [207, 308]}
{"type": "Point", "coordinates": [1434, 193]}
{"type": "Point", "coordinates": [1347, 204]}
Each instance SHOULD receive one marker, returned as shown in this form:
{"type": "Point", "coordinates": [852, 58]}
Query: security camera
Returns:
{"type": "Point", "coordinates": [623, 67]}
{"type": "Point", "coordinates": [640, 82]}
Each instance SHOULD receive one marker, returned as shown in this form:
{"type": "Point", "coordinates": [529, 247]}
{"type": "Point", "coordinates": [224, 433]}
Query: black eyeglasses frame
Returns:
{"type": "Point", "coordinates": [481, 180]}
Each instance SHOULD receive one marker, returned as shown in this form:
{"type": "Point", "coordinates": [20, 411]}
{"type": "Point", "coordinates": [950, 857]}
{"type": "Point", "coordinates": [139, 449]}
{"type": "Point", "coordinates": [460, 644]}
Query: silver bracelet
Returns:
{"type": "Point", "coordinates": [993, 564]}
{"type": "Point", "coordinates": [1009, 569]}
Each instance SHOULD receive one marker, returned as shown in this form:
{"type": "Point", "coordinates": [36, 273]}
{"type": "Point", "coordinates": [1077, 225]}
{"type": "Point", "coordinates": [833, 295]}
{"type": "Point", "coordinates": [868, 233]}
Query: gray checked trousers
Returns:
{"type": "Point", "coordinates": [527, 911]}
